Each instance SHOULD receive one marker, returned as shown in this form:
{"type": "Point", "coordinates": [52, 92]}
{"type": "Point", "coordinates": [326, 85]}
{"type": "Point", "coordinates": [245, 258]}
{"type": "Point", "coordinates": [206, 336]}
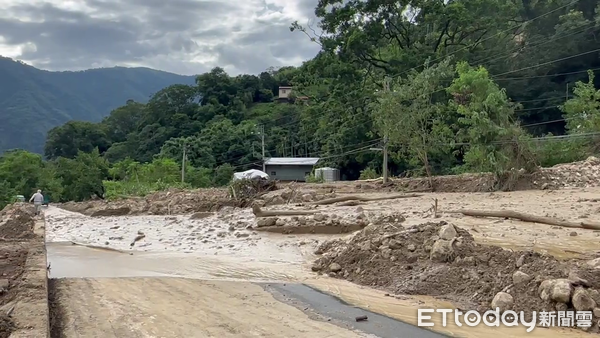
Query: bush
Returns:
{"type": "Point", "coordinates": [368, 174]}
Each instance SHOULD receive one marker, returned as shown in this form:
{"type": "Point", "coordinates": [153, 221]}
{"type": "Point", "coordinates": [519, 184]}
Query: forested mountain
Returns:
{"type": "Point", "coordinates": [32, 101]}
{"type": "Point", "coordinates": [454, 86]}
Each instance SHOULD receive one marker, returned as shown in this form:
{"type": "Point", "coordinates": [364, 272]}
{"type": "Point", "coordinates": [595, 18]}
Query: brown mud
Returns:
{"type": "Point", "coordinates": [418, 261]}
{"type": "Point", "coordinates": [16, 223]}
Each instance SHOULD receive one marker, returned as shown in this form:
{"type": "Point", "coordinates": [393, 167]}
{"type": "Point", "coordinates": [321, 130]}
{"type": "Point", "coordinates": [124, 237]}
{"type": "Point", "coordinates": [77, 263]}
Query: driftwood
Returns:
{"type": "Point", "coordinates": [528, 218]}
{"type": "Point", "coordinates": [361, 199]}
{"type": "Point", "coordinates": [139, 237]}
{"type": "Point", "coordinates": [258, 212]}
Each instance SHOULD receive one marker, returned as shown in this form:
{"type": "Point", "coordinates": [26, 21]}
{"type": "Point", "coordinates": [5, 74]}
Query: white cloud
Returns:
{"type": "Point", "coordinates": [183, 36]}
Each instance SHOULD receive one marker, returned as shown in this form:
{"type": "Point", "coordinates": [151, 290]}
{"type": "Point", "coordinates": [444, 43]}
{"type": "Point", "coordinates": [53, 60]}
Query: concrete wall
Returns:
{"type": "Point", "coordinates": [289, 172]}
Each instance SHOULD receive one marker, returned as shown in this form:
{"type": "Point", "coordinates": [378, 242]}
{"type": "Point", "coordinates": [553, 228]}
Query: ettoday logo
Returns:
{"type": "Point", "coordinates": [582, 319]}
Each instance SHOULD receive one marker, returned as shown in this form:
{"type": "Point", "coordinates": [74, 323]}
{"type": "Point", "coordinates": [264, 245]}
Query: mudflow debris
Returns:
{"type": "Point", "coordinates": [441, 260]}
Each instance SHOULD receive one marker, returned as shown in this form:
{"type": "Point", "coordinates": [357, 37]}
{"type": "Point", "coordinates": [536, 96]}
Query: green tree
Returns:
{"type": "Point", "coordinates": [496, 142]}
{"type": "Point", "coordinates": [414, 114]}
{"type": "Point", "coordinates": [74, 136]}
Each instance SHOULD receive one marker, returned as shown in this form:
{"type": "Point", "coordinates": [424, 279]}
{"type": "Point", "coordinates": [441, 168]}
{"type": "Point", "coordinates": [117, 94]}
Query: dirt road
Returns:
{"type": "Point", "coordinates": [178, 307]}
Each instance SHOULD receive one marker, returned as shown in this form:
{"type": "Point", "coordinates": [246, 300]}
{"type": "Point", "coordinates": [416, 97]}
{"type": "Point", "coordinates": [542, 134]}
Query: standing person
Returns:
{"type": "Point", "coordinates": [37, 199]}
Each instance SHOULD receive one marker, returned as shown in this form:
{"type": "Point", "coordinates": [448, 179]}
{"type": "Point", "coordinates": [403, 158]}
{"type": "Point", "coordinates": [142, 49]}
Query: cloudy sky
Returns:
{"type": "Point", "coordinates": [181, 36]}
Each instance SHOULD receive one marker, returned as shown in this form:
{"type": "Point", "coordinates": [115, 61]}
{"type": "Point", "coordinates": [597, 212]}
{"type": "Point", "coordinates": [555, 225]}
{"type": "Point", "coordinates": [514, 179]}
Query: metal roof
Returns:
{"type": "Point", "coordinates": [292, 161]}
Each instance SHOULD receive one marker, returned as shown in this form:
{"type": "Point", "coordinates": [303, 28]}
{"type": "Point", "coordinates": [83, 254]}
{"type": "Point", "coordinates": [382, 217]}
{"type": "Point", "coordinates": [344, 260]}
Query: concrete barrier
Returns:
{"type": "Point", "coordinates": [31, 314]}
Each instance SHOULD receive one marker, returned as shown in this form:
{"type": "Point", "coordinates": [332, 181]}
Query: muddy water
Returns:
{"type": "Point", "coordinates": [71, 261]}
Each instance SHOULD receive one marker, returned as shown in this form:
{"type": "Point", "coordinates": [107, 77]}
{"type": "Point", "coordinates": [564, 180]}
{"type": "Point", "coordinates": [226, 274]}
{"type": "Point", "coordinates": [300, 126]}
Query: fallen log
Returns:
{"type": "Point", "coordinates": [362, 199]}
{"type": "Point", "coordinates": [527, 218]}
{"type": "Point", "coordinates": [97, 247]}
{"type": "Point", "coordinates": [258, 212]}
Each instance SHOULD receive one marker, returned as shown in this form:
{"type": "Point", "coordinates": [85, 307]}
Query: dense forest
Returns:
{"type": "Point", "coordinates": [33, 101]}
{"type": "Point", "coordinates": [449, 86]}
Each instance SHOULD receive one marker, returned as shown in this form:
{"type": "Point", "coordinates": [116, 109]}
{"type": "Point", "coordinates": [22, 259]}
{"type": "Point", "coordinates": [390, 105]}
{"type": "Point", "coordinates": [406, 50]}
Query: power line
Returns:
{"type": "Point", "coordinates": [547, 75]}
{"type": "Point", "coordinates": [548, 62]}
{"type": "Point", "coordinates": [493, 36]}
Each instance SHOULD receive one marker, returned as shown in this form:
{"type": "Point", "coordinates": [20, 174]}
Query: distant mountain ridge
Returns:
{"type": "Point", "coordinates": [33, 101]}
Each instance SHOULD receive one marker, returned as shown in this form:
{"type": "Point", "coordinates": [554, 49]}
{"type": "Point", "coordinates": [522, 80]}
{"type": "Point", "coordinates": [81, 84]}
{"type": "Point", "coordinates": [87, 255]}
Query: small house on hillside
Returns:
{"type": "Point", "coordinates": [285, 95]}
{"type": "Point", "coordinates": [290, 168]}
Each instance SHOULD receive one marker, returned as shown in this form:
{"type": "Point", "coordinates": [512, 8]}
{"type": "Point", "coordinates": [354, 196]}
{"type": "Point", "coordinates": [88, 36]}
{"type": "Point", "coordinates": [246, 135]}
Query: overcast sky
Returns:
{"type": "Point", "coordinates": [180, 36]}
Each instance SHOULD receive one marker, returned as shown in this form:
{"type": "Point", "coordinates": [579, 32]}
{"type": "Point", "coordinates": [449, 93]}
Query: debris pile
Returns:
{"type": "Point", "coordinates": [250, 189]}
{"type": "Point", "coordinates": [17, 221]}
{"type": "Point", "coordinates": [441, 260]}
{"type": "Point", "coordinates": [582, 174]}
{"type": "Point", "coordinates": [168, 202]}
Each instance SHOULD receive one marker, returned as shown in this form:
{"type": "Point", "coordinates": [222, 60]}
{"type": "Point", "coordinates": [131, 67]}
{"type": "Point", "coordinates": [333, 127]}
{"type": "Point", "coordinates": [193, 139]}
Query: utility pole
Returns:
{"type": "Point", "coordinates": [183, 165]}
{"type": "Point", "coordinates": [567, 93]}
{"type": "Point", "coordinates": [262, 136]}
{"type": "Point", "coordinates": [386, 87]}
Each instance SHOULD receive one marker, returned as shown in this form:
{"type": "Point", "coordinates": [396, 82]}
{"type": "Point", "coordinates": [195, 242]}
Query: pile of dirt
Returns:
{"type": "Point", "coordinates": [12, 266]}
{"type": "Point", "coordinates": [443, 261]}
{"type": "Point", "coordinates": [582, 174]}
{"type": "Point", "coordinates": [168, 202]}
{"type": "Point", "coordinates": [17, 221]}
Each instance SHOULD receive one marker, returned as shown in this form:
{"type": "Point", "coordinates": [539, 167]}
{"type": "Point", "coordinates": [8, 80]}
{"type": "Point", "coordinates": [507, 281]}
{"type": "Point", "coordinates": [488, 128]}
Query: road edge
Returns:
{"type": "Point", "coordinates": [31, 312]}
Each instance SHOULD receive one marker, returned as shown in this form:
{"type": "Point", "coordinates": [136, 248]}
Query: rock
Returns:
{"type": "Point", "coordinates": [316, 267]}
{"type": "Point", "coordinates": [447, 232]}
{"type": "Point", "coordinates": [597, 312]}
{"type": "Point", "coordinates": [503, 301]}
{"type": "Point", "coordinates": [319, 217]}
{"type": "Point", "coordinates": [335, 267]}
{"type": "Point", "coordinates": [231, 228]}
{"type": "Point", "coordinates": [561, 290]}
{"type": "Point", "coordinates": [582, 301]}
{"type": "Point", "coordinates": [594, 263]}
{"type": "Point", "coordinates": [307, 198]}
{"type": "Point", "coordinates": [520, 278]}
{"type": "Point", "coordinates": [441, 251]}
{"type": "Point", "coordinates": [386, 253]}
{"type": "Point", "coordinates": [520, 261]}
{"type": "Point", "coordinates": [394, 244]}
{"type": "Point", "coordinates": [573, 233]}
{"type": "Point", "coordinates": [277, 200]}
{"type": "Point", "coordinates": [266, 222]}
{"type": "Point", "coordinates": [411, 247]}
{"type": "Point", "coordinates": [280, 222]}
{"type": "Point", "coordinates": [4, 284]}
{"type": "Point", "coordinates": [360, 210]}
{"type": "Point", "coordinates": [577, 281]}
{"type": "Point", "coordinates": [595, 295]}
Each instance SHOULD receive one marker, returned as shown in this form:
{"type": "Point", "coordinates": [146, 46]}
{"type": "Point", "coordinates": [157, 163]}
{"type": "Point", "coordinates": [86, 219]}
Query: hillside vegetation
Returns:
{"type": "Point", "coordinates": [33, 101]}
{"type": "Point", "coordinates": [456, 86]}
